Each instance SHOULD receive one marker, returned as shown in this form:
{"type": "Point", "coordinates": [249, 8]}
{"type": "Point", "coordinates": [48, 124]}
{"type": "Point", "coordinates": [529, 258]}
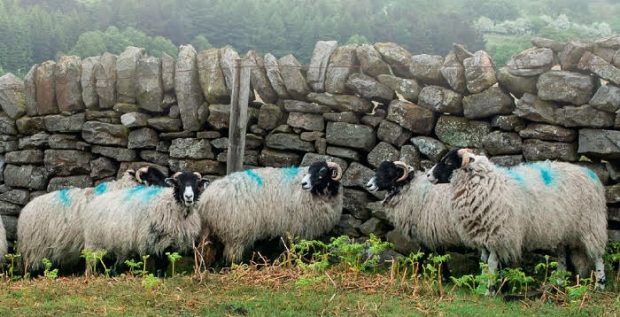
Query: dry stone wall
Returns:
{"type": "Point", "coordinates": [78, 122]}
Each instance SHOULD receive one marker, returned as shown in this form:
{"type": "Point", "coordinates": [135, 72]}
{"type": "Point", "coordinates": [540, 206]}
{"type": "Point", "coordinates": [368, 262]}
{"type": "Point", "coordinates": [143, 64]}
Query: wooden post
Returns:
{"type": "Point", "coordinates": [238, 116]}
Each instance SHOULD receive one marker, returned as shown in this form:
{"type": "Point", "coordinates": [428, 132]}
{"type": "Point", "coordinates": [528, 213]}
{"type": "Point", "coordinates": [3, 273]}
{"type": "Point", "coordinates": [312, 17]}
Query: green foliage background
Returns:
{"type": "Point", "coordinates": [32, 31]}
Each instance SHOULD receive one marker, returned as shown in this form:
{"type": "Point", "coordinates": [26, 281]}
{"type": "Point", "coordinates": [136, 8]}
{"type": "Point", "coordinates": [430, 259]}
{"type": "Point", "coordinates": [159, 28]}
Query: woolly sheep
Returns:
{"type": "Point", "coordinates": [264, 203]}
{"type": "Point", "coordinates": [145, 220]}
{"type": "Point", "coordinates": [50, 227]}
{"type": "Point", "coordinates": [4, 246]}
{"type": "Point", "coordinates": [417, 208]}
{"type": "Point", "coordinates": [545, 205]}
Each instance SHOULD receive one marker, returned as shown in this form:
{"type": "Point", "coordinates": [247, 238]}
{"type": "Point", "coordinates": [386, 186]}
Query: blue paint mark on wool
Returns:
{"type": "Point", "coordinates": [545, 172]}
{"type": "Point", "coordinates": [63, 197]}
{"type": "Point", "coordinates": [514, 175]}
{"type": "Point", "coordinates": [142, 193]}
{"type": "Point", "coordinates": [592, 175]}
{"type": "Point", "coordinates": [255, 177]}
{"type": "Point", "coordinates": [101, 189]}
{"type": "Point", "coordinates": [290, 173]}
{"type": "Point", "coordinates": [150, 193]}
{"type": "Point", "coordinates": [133, 191]}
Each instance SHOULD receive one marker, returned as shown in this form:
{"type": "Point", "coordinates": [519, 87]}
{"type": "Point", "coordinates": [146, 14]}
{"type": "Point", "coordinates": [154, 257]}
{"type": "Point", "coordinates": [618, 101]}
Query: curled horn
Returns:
{"type": "Point", "coordinates": [465, 154]}
{"type": "Point", "coordinates": [405, 168]}
{"type": "Point", "coordinates": [176, 174]}
{"type": "Point", "coordinates": [198, 175]}
{"type": "Point", "coordinates": [334, 165]}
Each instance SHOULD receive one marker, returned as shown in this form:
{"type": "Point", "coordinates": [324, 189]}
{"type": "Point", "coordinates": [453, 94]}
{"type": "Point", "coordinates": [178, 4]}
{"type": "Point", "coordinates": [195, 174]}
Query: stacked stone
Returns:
{"type": "Point", "coordinates": [78, 122]}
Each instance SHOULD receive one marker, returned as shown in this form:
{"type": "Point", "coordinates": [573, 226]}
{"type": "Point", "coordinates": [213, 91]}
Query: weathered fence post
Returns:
{"type": "Point", "coordinates": [238, 116]}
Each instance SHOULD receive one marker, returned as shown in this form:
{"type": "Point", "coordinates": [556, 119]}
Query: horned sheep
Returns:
{"type": "Point", "coordinates": [265, 203]}
{"type": "Point", "coordinates": [417, 208]}
{"type": "Point", "coordinates": [553, 206]}
{"type": "Point", "coordinates": [145, 220]}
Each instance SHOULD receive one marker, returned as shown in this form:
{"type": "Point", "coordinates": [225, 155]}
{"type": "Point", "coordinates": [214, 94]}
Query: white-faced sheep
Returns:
{"type": "Point", "coordinates": [50, 226]}
{"type": "Point", "coordinates": [145, 220]}
{"type": "Point", "coordinates": [546, 205]}
{"type": "Point", "coordinates": [265, 203]}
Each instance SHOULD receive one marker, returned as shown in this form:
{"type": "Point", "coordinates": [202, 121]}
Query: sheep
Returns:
{"type": "Point", "coordinates": [545, 205]}
{"type": "Point", "coordinates": [4, 246]}
{"type": "Point", "coordinates": [417, 208]}
{"type": "Point", "coordinates": [50, 227]}
{"type": "Point", "coordinates": [145, 220]}
{"type": "Point", "coordinates": [265, 203]}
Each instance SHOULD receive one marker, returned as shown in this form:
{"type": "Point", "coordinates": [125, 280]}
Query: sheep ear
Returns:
{"type": "Point", "coordinates": [171, 182]}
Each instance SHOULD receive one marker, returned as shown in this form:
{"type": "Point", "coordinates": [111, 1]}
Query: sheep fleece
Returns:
{"type": "Point", "coordinates": [265, 203]}
{"type": "Point", "coordinates": [421, 211]}
{"type": "Point", "coordinates": [139, 220]}
{"type": "Point", "coordinates": [50, 225]}
{"type": "Point", "coordinates": [532, 206]}
{"type": "Point", "coordinates": [4, 246]}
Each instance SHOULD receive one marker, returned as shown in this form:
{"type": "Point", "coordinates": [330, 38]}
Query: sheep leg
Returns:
{"type": "Point", "coordinates": [561, 254]}
{"type": "Point", "coordinates": [493, 263]}
{"type": "Point", "coordinates": [484, 255]}
{"type": "Point", "coordinates": [233, 254]}
{"type": "Point", "coordinates": [599, 273]}
{"type": "Point", "coordinates": [161, 265]}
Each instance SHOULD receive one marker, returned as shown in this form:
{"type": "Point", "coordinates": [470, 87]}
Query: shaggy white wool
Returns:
{"type": "Point", "coordinates": [50, 225]}
{"type": "Point", "coordinates": [546, 205]}
{"type": "Point", "coordinates": [264, 203]}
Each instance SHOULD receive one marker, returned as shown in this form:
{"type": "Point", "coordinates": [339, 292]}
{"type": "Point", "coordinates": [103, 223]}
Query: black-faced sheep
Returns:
{"type": "Point", "coordinates": [144, 220]}
{"type": "Point", "coordinates": [545, 205]}
{"type": "Point", "coordinates": [416, 207]}
{"type": "Point", "coordinates": [265, 203]}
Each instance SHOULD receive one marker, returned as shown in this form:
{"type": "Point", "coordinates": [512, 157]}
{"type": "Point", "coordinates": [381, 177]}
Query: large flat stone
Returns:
{"type": "Point", "coordinates": [599, 143]}
{"type": "Point", "coordinates": [287, 141]}
{"type": "Point", "coordinates": [67, 162]}
{"type": "Point", "coordinates": [104, 133]}
{"type": "Point", "coordinates": [68, 89]}
{"type": "Point", "coordinates": [461, 132]}
{"type": "Point", "coordinates": [12, 99]}
{"type": "Point", "coordinates": [350, 135]}
{"type": "Point", "coordinates": [187, 88]}
{"type": "Point", "coordinates": [417, 119]}
{"type": "Point", "coordinates": [537, 150]}
{"type": "Point", "coordinates": [318, 64]}
{"type": "Point", "coordinates": [563, 86]}
{"type": "Point", "coordinates": [490, 102]}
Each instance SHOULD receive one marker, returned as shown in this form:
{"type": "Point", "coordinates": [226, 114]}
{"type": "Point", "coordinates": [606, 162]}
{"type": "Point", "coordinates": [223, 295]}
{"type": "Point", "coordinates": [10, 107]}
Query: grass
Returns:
{"type": "Point", "coordinates": [269, 291]}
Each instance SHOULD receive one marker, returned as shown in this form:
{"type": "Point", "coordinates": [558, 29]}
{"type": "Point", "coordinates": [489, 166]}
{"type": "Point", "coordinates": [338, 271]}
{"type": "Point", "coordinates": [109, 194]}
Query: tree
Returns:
{"type": "Point", "coordinates": [357, 39]}
{"type": "Point", "coordinates": [200, 43]}
{"type": "Point", "coordinates": [90, 44]}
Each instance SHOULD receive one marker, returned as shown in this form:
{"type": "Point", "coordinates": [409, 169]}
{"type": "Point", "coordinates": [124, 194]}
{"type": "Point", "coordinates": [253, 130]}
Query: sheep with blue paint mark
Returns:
{"type": "Point", "coordinates": [145, 220]}
{"type": "Point", "coordinates": [50, 226]}
{"type": "Point", "coordinates": [552, 206]}
{"type": "Point", "coordinates": [265, 203]}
